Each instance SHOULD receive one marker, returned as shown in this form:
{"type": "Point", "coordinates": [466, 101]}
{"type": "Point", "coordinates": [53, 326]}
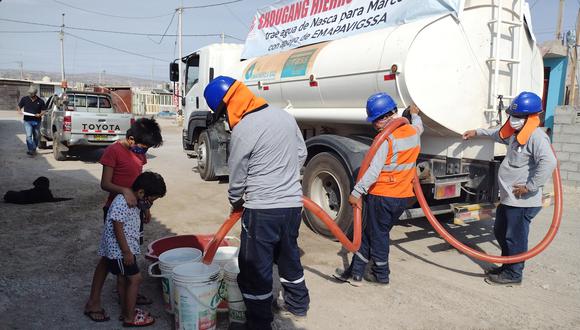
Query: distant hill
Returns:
{"type": "Point", "coordinates": [87, 78]}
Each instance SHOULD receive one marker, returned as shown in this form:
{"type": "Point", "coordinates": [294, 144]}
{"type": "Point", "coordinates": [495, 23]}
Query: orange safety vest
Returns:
{"type": "Point", "coordinates": [396, 177]}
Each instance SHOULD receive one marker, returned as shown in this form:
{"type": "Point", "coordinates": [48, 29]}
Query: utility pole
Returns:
{"type": "Point", "coordinates": [180, 28]}
{"type": "Point", "coordinates": [559, 24]}
{"type": "Point", "coordinates": [101, 77]}
{"type": "Point", "coordinates": [152, 74]}
{"type": "Point", "coordinates": [223, 38]}
{"type": "Point", "coordinates": [21, 65]}
{"type": "Point", "coordinates": [61, 34]}
{"type": "Point", "coordinates": [573, 98]}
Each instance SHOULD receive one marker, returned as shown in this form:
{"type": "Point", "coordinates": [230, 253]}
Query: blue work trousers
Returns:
{"type": "Point", "coordinates": [32, 129]}
{"type": "Point", "coordinates": [511, 229]}
{"type": "Point", "coordinates": [270, 236]}
{"type": "Point", "coordinates": [381, 213]}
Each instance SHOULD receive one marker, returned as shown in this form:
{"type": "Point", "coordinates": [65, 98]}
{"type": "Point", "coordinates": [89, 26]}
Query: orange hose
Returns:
{"type": "Point", "coordinates": [354, 245]}
{"type": "Point", "coordinates": [556, 219]}
{"type": "Point", "coordinates": [219, 236]}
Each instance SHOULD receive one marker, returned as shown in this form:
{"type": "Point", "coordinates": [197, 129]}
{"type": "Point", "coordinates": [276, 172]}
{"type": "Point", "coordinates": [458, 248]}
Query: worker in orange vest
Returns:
{"type": "Point", "coordinates": [387, 189]}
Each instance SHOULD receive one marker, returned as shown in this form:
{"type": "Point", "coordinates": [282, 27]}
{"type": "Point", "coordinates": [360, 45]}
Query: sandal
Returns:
{"type": "Point", "coordinates": [137, 310]}
{"type": "Point", "coordinates": [93, 316]}
{"type": "Point", "coordinates": [141, 319]}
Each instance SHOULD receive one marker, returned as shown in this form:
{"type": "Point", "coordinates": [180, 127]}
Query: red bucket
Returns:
{"type": "Point", "coordinates": [172, 242]}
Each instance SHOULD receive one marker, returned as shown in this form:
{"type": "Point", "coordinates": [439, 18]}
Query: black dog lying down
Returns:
{"type": "Point", "coordinates": [39, 194]}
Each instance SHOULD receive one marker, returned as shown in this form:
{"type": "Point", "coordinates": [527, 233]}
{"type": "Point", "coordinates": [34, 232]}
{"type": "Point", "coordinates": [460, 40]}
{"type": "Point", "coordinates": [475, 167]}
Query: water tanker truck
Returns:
{"type": "Point", "coordinates": [458, 68]}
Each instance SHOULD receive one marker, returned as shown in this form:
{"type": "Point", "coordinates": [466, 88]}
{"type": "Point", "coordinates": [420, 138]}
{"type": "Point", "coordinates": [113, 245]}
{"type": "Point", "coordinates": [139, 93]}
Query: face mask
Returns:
{"type": "Point", "coordinates": [144, 204]}
{"type": "Point", "coordinates": [517, 123]}
{"type": "Point", "coordinates": [139, 150]}
{"type": "Point", "coordinates": [382, 123]}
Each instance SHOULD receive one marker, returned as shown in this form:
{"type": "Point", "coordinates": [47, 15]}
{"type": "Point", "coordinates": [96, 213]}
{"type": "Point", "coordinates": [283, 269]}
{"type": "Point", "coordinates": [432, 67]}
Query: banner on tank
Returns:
{"type": "Point", "coordinates": [288, 24]}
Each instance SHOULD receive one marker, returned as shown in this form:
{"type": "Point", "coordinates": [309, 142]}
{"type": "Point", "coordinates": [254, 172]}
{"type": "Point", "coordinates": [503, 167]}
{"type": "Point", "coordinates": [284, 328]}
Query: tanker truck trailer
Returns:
{"type": "Point", "coordinates": [459, 69]}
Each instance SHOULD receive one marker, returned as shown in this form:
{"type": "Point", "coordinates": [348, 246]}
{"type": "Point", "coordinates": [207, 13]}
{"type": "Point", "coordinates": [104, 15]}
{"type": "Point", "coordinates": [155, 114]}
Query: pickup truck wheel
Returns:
{"type": "Point", "coordinates": [57, 150]}
{"type": "Point", "coordinates": [43, 143]}
{"type": "Point", "coordinates": [327, 182]}
{"type": "Point", "coordinates": [205, 158]}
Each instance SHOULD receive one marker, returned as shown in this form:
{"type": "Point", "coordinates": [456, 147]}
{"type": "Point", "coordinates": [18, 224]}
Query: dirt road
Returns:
{"type": "Point", "coordinates": [49, 251]}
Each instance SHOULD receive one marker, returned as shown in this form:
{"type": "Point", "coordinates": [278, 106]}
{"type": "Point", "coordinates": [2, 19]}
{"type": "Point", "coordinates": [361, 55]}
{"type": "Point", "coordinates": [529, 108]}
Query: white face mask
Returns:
{"type": "Point", "coordinates": [517, 123]}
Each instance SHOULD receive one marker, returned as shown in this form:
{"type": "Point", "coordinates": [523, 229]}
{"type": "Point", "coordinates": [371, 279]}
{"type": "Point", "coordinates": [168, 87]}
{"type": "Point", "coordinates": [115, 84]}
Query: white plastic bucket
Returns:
{"type": "Point", "coordinates": [167, 261]}
{"type": "Point", "coordinates": [237, 308]}
{"type": "Point", "coordinates": [223, 256]}
{"type": "Point", "coordinates": [196, 296]}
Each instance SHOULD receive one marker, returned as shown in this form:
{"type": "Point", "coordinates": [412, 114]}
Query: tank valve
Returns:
{"type": "Point", "coordinates": [312, 81]}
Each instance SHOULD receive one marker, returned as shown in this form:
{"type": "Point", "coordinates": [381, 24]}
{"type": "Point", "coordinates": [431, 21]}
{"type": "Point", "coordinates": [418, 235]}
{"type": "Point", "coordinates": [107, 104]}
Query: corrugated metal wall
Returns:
{"type": "Point", "coordinates": [122, 97]}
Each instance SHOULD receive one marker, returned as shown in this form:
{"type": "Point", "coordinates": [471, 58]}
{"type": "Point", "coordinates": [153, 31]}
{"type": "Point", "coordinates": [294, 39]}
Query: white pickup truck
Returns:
{"type": "Point", "coordinates": [77, 120]}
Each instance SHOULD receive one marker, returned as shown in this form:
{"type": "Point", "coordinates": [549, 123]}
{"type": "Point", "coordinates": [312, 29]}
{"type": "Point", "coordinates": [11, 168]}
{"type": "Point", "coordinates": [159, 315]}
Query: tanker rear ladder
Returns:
{"type": "Point", "coordinates": [495, 61]}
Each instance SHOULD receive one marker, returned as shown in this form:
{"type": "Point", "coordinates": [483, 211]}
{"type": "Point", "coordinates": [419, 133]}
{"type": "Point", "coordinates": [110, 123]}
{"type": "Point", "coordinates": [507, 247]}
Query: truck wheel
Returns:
{"type": "Point", "coordinates": [43, 143]}
{"type": "Point", "coordinates": [327, 182]}
{"type": "Point", "coordinates": [57, 150]}
{"type": "Point", "coordinates": [205, 158]}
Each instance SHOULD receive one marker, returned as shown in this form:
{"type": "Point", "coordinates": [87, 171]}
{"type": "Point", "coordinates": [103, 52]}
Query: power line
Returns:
{"type": "Point", "coordinates": [212, 5]}
{"type": "Point", "coordinates": [166, 29]}
{"type": "Point", "coordinates": [120, 32]}
{"type": "Point", "coordinates": [31, 32]}
{"type": "Point", "coordinates": [115, 48]}
{"type": "Point", "coordinates": [109, 15]}
{"type": "Point", "coordinates": [30, 23]}
{"type": "Point", "coordinates": [232, 37]}
{"type": "Point", "coordinates": [236, 16]}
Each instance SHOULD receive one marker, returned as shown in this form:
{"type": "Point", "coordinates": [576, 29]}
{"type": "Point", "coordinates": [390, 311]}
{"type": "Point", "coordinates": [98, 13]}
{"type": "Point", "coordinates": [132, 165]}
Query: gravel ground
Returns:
{"type": "Point", "coordinates": [50, 253]}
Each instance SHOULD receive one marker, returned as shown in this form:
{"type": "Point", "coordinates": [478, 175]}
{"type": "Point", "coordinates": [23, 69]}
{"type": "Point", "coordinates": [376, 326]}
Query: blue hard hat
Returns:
{"type": "Point", "coordinates": [378, 105]}
{"type": "Point", "coordinates": [216, 90]}
{"type": "Point", "coordinates": [526, 103]}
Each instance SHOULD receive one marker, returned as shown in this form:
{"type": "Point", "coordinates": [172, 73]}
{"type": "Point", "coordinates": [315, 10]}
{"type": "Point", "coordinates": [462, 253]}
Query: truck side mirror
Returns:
{"type": "Point", "coordinates": [173, 71]}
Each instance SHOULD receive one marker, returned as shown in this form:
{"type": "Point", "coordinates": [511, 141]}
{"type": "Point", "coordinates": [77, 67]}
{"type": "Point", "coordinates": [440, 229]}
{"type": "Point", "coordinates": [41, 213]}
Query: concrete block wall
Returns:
{"type": "Point", "coordinates": [566, 142]}
{"type": "Point", "coordinates": [10, 94]}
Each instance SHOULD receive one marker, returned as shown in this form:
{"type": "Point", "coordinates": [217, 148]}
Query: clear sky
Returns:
{"type": "Point", "coordinates": [41, 50]}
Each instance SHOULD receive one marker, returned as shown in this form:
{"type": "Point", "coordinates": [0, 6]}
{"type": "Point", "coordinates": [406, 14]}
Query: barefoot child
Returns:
{"type": "Point", "coordinates": [120, 244]}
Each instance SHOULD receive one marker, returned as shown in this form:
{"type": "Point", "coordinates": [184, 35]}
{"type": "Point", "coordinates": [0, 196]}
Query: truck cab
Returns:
{"type": "Point", "coordinates": [201, 138]}
{"type": "Point", "coordinates": [77, 120]}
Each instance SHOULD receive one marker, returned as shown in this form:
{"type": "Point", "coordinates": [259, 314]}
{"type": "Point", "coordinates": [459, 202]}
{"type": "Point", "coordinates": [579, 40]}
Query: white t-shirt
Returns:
{"type": "Point", "coordinates": [119, 211]}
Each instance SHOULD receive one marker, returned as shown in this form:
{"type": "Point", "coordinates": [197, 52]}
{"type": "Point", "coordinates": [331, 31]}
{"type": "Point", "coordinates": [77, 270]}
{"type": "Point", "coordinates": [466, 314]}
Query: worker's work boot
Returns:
{"type": "Point", "coordinates": [357, 278]}
{"type": "Point", "coordinates": [342, 274]}
{"type": "Point", "coordinates": [347, 276]}
{"type": "Point", "coordinates": [494, 270]}
{"type": "Point", "coordinates": [372, 278]}
{"type": "Point", "coordinates": [287, 314]}
{"type": "Point", "coordinates": [502, 279]}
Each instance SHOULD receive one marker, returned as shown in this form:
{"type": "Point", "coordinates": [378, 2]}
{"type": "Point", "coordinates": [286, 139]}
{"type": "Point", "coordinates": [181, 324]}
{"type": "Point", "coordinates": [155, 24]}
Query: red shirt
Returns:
{"type": "Point", "coordinates": [127, 166]}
